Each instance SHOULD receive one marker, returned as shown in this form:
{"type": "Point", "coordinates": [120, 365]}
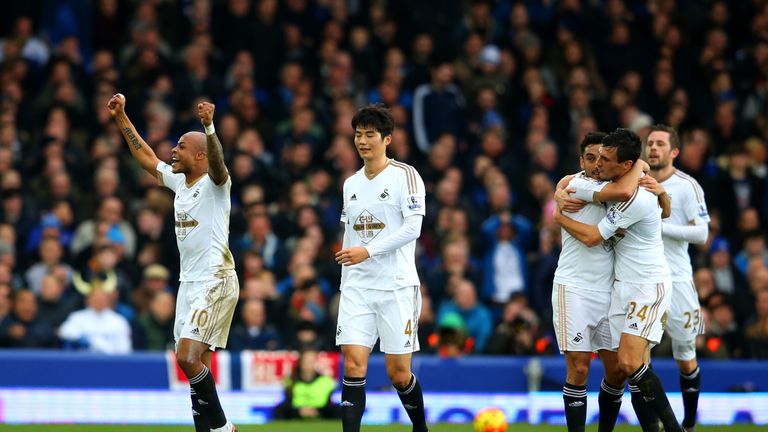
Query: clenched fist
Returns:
{"type": "Point", "coordinates": [205, 111]}
{"type": "Point", "coordinates": [116, 104]}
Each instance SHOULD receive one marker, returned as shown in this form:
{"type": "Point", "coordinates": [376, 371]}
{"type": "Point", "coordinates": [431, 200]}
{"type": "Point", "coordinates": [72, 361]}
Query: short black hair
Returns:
{"type": "Point", "coordinates": [674, 138]}
{"type": "Point", "coordinates": [627, 144]}
{"type": "Point", "coordinates": [375, 116]}
{"type": "Point", "coordinates": [591, 138]}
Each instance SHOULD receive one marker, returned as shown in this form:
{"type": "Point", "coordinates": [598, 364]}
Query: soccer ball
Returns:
{"type": "Point", "coordinates": [490, 420]}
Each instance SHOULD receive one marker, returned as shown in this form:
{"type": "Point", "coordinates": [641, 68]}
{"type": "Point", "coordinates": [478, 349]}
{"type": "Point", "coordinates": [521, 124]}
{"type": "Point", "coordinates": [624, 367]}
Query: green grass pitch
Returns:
{"type": "Point", "coordinates": [331, 427]}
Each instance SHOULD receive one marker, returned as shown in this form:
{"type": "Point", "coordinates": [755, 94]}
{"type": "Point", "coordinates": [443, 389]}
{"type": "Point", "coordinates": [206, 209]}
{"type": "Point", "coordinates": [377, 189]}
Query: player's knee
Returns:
{"type": "Point", "coordinates": [399, 378]}
{"type": "Point", "coordinates": [685, 354]}
{"type": "Point", "coordinates": [578, 373]}
{"type": "Point", "coordinates": [615, 377]}
{"type": "Point", "coordinates": [353, 368]}
{"type": "Point", "coordinates": [629, 363]}
{"type": "Point", "coordinates": [189, 363]}
{"type": "Point", "coordinates": [687, 366]}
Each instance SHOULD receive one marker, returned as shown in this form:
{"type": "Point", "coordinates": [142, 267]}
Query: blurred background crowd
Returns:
{"type": "Point", "coordinates": [491, 98]}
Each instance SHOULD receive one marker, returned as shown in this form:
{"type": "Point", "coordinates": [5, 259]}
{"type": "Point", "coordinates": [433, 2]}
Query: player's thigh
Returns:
{"type": "Point", "coordinates": [357, 319]}
{"type": "Point", "coordinates": [645, 307]}
{"type": "Point", "coordinates": [580, 318]}
{"type": "Point", "coordinates": [397, 319]}
{"type": "Point", "coordinates": [182, 309]}
{"type": "Point", "coordinates": [212, 305]}
{"type": "Point", "coordinates": [684, 320]}
{"type": "Point", "coordinates": [632, 352]}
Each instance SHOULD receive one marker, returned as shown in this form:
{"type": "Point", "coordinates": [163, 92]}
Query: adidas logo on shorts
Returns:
{"type": "Point", "coordinates": [633, 326]}
{"type": "Point", "coordinates": [407, 344]}
{"type": "Point", "coordinates": [195, 331]}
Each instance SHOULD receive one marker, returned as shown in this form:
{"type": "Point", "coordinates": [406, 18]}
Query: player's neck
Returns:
{"type": "Point", "coordinates": [193, 177]}
{"type": "Point", "coordinates": [373, 167]}
{"type": "Point", "coordinates": [663, 174]}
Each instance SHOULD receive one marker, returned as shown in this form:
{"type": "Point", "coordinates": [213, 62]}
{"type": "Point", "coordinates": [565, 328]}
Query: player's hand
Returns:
{"type": "Point", "coordinates": [556, 214]}
{"type": "Point", "coordinates": [205, 111]}
{"type": "Point", "coordinates": [645, 167]}
{"type": "Point", "coordinates": [651, 185]}
{"type": "Point", "coordinates": [563, 183]}
{"type": "Point", "coordinates": [566, 203]}
{"type": "Point", "coordinates": [116, 105]}
{"type": "Point", "coordinates": [352, 256]}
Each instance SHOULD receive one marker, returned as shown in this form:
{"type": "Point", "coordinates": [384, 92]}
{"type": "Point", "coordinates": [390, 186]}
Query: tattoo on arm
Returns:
{"type": "Point", "coordinates": [216, 168]}
{"type": "Point", "coordinates": [132, 138]}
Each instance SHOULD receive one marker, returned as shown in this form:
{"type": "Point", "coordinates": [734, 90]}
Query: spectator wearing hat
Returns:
{"type": "Point", "coordinates": [50, 226]}
{"type": "Point", "coordinates": [727, 277]}
{"type": "Point", "coordinates": [154, 281]}
{"type": "Point", "coordinates": [450, 339]}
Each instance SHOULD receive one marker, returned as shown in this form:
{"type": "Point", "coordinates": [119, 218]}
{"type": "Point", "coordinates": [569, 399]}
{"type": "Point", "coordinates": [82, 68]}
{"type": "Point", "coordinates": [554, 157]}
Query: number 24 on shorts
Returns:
{"type": "Point", "coordinates": [642, 313]}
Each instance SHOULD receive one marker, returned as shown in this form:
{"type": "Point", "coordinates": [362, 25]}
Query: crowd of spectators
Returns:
{"type": "Point", "coordinates": [490, 98]}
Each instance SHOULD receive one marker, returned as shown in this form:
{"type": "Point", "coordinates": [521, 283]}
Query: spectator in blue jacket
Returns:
{"type": "Point", "coordinates": [477, 318]}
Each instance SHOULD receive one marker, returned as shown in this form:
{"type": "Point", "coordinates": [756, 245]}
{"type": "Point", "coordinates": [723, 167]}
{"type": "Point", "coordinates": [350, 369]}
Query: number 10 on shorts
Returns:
{"type": "Point", "coordinates": [202, 317]}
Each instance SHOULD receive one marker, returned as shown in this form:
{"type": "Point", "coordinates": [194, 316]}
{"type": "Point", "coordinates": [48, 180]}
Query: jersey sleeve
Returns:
{"type": "Point", "coordinates": [223, 190]}
{"type": "Point", "coordinates": [586, 188]}
{"type": "Point", "coordinates": [413, 194]}
{"type": "Point", "coordinates": [695, 206]}
{"type": "Point", "coordinates": [620, 216]}
{"type": "Point", "coordinates": [168, 178]}
{"type": "Point", "coordinates": [343, 218]}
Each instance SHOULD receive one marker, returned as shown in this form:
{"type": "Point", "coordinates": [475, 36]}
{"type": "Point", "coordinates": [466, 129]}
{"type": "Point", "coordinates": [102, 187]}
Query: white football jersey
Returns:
{"type": "Point", "coordinates": [201, 216]}
{"type": "Point", "coordinates": [572, 269]}
{"type": "Point", "coordinates": [634, 228]}
{"type": "Point", "coordinates": [687, 205]}
{"type": "Point", "coordinates": [373, 209]}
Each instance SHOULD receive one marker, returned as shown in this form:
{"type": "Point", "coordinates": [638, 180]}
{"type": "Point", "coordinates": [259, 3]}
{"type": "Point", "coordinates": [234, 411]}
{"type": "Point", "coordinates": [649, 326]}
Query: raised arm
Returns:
{"type": "Point", "coordinates": [139, 148]}
{"type": "Point", "coordinates": [217, 170]}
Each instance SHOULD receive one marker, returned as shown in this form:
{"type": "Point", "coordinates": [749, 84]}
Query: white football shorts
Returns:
{"type": "Point", "coordinates": [640, 310]}
{"type": "Point", "coordinates": [684, 320]}
{"type": "Point", "coordinates": [204, 310]}
{"type": "Point", "coordinates": [366, 315]}
{"type": "Point", "coordinates": [580, 318]}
